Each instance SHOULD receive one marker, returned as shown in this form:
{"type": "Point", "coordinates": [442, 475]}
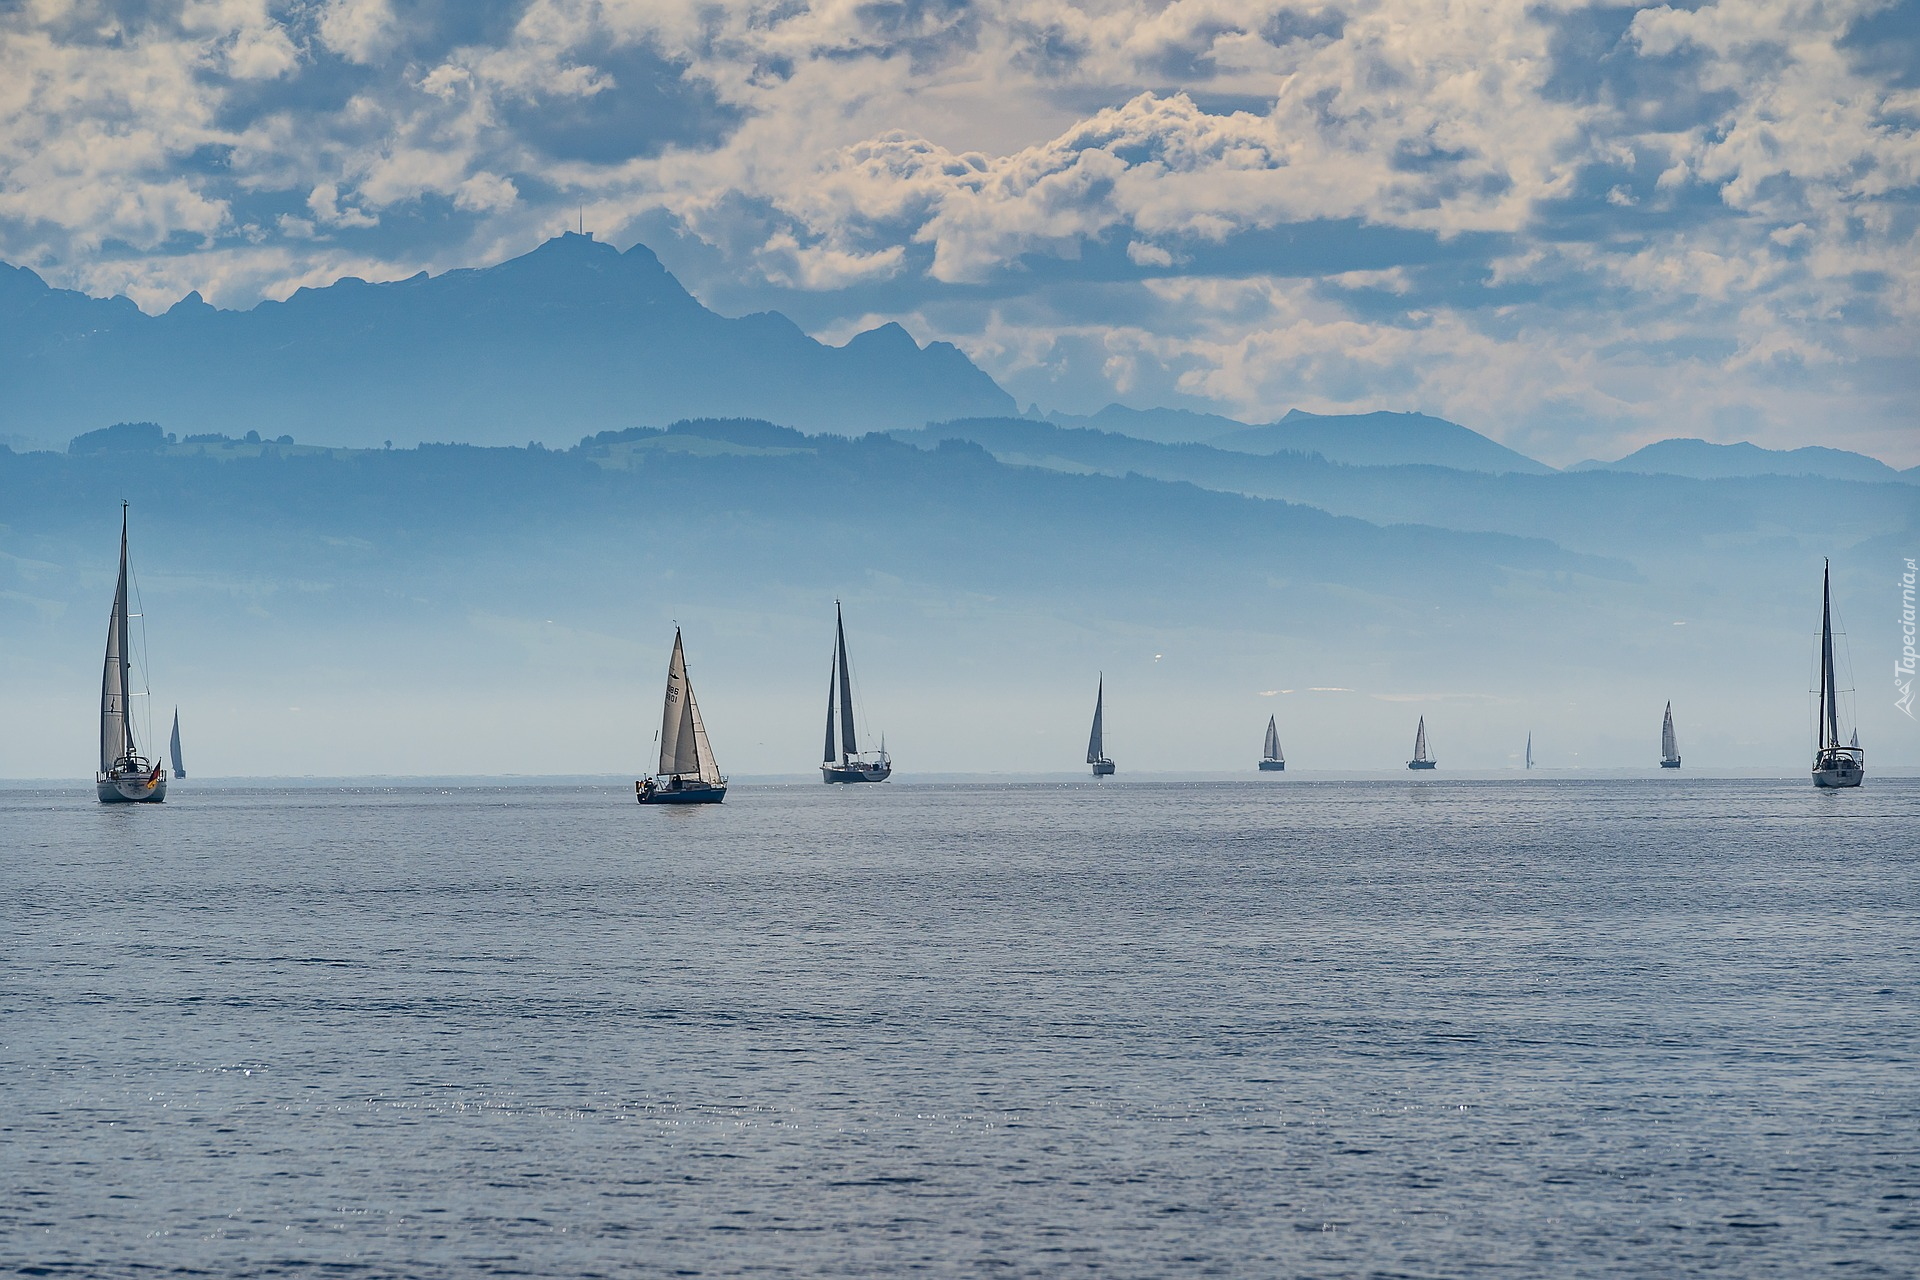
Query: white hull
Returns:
{"type": "Point", "coordinates": [1839, 769]}
{"type": "Point", "coordinates": [130, 788]}
{"type": "Point", "coordinates": [855, 771]}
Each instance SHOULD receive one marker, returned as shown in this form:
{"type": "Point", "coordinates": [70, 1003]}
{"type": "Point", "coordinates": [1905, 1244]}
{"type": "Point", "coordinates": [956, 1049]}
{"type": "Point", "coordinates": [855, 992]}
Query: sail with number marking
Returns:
{"type": "Point", "coordinates": [679, 752]}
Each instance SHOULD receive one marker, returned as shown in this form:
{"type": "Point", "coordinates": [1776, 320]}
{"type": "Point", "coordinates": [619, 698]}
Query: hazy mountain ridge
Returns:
{"type": "Point", "coordinates": [1661, 521]}
{"type": "Point", "coordinates": [657, 485]}
{"type": "Point", "coordinates": [571, 338]}
{"type": "Point", "coordinates": [1704, 460]}
{"type": "Point", "coordinates": [1366, 439]}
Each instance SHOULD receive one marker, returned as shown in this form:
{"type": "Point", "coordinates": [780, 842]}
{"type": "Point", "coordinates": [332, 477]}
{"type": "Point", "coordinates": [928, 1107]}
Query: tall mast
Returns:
{"type": "Point", "coordinates": [126, 657]}
{"type": "Point", "coordinates": [848, 746]}
{"type": "Point", "coordinates": [1829, 711]}
{"type": "Point", "coordinates": [1273, 740]}
{"type": "Point", "coordinates": [1420, 740]}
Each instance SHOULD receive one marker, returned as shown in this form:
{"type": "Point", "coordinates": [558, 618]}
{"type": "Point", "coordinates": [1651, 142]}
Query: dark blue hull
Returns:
{"type": "Point", "coordinates": [1423, 764]}
{"type": "Point", "coordinates": [1670, 764]}
{"type": "Point", "coordinates": [1103, 768]}
{"type": "Point", "coordinates": [696, 793]}
{"type": "Point", "coordinates": [1273, 766]}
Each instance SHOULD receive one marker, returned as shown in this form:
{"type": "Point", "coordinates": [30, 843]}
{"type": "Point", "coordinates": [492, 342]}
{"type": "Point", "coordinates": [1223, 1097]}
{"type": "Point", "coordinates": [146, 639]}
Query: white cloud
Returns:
{"type": "Point", "coordinates": [941, 147]}
{"type": "Point", "coordinates": [357, 30]}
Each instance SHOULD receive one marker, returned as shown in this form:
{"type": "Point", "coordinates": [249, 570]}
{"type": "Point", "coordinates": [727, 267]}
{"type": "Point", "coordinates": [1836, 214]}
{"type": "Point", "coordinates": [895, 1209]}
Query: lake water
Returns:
{"type": "Point", "coordinates": [1412, 1028]}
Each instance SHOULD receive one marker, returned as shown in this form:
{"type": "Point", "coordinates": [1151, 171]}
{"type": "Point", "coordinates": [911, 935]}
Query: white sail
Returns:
{"type": "Point", "coordinates": [1529, 749]}
{"type": "Point", "coordinates": [1420, 740]}
{"type": "Point", "coordinates": [702, 749]}
{"type": "Point", "coordinates": [116, 728]}
{"type": "Point", "coordinates": [1272, 749]}
{"type": "Point", "coordinates": [679, 751]}
{"type": "Point", "coordinates": [179, 769]}
{"type": "Point", "coordinates": [1669, 743]}
{"type": "Point", "coordinates": [1096, 743]}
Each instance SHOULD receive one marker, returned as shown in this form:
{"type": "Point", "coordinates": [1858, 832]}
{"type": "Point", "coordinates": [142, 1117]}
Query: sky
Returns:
{"type": "Point", "coordinates": [1575, 228]}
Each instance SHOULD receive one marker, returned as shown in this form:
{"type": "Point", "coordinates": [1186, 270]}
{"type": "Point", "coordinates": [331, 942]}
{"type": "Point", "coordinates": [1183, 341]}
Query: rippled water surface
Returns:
{"type": "Point", "coordinates": [1280, 1027]}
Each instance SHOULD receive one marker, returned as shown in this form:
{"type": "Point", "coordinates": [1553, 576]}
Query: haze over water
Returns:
{"type": "Point", "coordinates": [1540, 1027]}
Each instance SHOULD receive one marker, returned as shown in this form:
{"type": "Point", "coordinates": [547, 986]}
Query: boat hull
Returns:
{"type": "Point", "coordinates": [1273, 766]}
{"type": "Point", "coordinates": [1670, 764]}
{"type": "Point", "coordinates": [130, 789]}
{"type": "Point", "coordinates": [1836, 770]}
{"type": "Point", "coordinates": [1423, 764]}
{"type": "Point", "coordinates": [686, 793]}
{"type": "Point", "coordinates": [1103, 768]}
{"type": "Point", "coordinates": [855, 772]}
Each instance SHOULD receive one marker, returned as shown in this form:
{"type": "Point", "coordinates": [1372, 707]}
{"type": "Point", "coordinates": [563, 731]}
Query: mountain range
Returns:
{"type": "Point", "coordinates": [572, 338]}
{"type": "Point", "coordinates": [577, 337]}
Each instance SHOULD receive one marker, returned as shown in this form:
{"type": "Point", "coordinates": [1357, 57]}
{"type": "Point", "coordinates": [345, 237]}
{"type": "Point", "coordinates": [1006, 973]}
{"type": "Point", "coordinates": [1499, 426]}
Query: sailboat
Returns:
{"type": "Point", "coordinates": [1529, 748]}
{"type": "Point", "coordinates": [1834, 764]}
{"type": "Point", "coordinates": [1097, 743]}
{"type": "Point", "coordinates": [1669, 745]}
{"type": "Point", "coordinates": [1421, 760]}
{"type": "Point", "coordinates": [179, 770]}
{"type": "Point", "coordinates": [844, 761]}
{"type": "Point", "coordinates": [1272, 760]}
{"type": "Point", "coordinates": [125, 776]}
{"type": "Point", "coordinates": [688, 773]}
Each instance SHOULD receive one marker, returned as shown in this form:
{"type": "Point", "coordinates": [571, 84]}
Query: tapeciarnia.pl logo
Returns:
{"type": "Point", "coordinates": [1903, 665]}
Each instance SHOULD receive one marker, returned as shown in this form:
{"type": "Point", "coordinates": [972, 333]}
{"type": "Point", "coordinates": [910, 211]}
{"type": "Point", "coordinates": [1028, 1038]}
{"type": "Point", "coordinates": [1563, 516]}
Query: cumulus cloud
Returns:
{"type": "Point", "coordinates": [1574, 226]}
{"type": "Point", "coordinates": [357, 30]}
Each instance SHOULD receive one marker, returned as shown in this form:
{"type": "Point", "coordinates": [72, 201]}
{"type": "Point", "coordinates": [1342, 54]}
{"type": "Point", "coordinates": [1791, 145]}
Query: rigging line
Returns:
{"type": "Point", "coordinates": [860, 703]}
{"type": "Point", "coordinates": [146, 675]}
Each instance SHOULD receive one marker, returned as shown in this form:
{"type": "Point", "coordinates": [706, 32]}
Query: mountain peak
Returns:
{"type": "Point", "coordinates": [569, 338]}
{"type": "Point", "coordinates": [889, 338]}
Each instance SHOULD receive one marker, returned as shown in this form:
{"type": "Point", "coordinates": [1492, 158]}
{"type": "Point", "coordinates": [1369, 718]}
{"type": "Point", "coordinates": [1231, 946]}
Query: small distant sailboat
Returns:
{"type": "Point", "coordinates": [179, 770]}
{"type": "Point", "coordinates": [1529, 748]}
{"type": "Point", "coordinates": [1834, 764]}
{"type": "Point", "coordinates": [1272, 759]}
{"type": "Point", "coordinates": [1421, 760]}
{"type": "Point", "coordinates": [688, 773]}
{"type": "Point", "coordinates": [125, 776]}
{"type": "Point", "coordinates": [1669, 745]}
{"type": "Point", "coordinates": [851, 765]}
{"type": "Point", "coordinates": [1097, 742]}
